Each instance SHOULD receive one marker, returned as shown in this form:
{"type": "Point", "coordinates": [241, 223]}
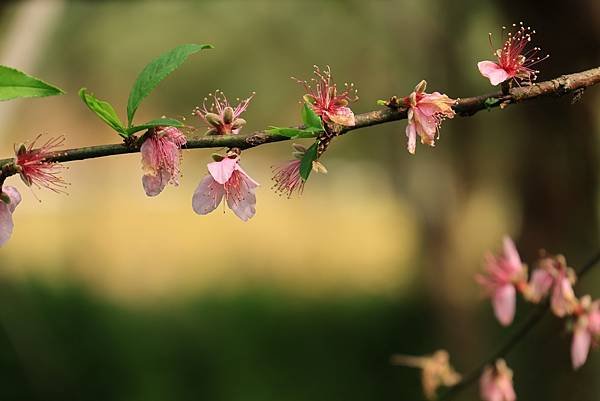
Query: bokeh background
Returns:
{"type": "Point", "coordinates": [106, 294]}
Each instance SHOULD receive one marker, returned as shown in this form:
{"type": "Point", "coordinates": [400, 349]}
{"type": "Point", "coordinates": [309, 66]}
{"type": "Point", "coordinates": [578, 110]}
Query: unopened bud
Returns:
{"type": "Point", "coordinates": [238, 123]}
{"type": "Point", "coordinates": [217, 157]}
{"type": "Point", "coordinates": [213, 119]}
{"type": "Point", "coordinates": [298, 155]}
{"type": "Point", "coordinates": [299, 147]}
{"type": "Point", "coordinates": [21, 149]}
{"type": "Point", "coordinates": [227, 115]}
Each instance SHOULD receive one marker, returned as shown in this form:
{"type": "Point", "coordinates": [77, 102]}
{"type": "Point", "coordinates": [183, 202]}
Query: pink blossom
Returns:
{"type": "Point", "coordinates": [505, 274]}
{"type": "Point", "coordinates": [221, 117]}
{"type": "Point", "coordinates": [586, 332]}
{"type": "Point", "coordinates": [226, 180]}
{"type": "Point", "coordinates": [9, 200]}
{"type": "Point", "coordinates": [426, 111]}
{"type": "Point", "coordinates": [287, 175]}
{"type": "Point", "coordinates": [326, 102]}
{"type": "Point", "coordinates": [34, 167]}
{"type": "Point", "coordinates": [553, 276]}
{"type": "Point", "coordinates": [161, 157]}
{"type": "Point", "coordinates": [496, 383]}
{"type": "Point", "coordinates": [513, 59]}
{"type": "Point", "coordinates": [436, 371]}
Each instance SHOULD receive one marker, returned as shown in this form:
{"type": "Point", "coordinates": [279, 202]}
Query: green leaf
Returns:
{"type": "Point", "coordinates": [161, 122]}
{"type": "Point", "coordinates": [15, 84]}
{"type": "Point", "coordinates": [104, 110]}
{"type": "Point", "coordinates": [156, 71]}
{"type": "Point", "coordinates": [310, 118]}
{"type": "Point", "coordinates": [293, 132]}
{"type": "Point", "coordinates": [307, 160]}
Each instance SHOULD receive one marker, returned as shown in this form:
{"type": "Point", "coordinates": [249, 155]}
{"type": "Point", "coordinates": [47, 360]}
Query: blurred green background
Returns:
{"type": "Point", "coordinates": [107, 294]}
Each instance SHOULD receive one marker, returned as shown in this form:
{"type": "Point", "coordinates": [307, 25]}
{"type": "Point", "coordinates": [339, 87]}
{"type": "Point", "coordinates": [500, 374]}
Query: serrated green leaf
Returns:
{"type": "Point", "coordinates": [307, 161]}
{"type": "Point", "coordinates": [310, 118]}
{"type": "Point", "coordinates": [161, 122]}
{"type": "Point", "coordinates": [104, 110]}
{"type": "Point", "coordinates": [157, 70]}
{"type": "Point", "coordinates": [15, 84]}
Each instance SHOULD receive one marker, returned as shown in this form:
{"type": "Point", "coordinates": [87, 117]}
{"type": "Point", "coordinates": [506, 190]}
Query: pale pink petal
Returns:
{"type": "Point", "coordinates": [539, 285]}
{"type": "Point", "coordinates": [221, 171]}
{"type": "Point", "coordinates": [154, 184]}
{"type": "Point", "coordinates": [207, 196]}
{"type": "Point", "coordinates": [251, 183]}
{"type": "Point", "coordinates": [342, 116]}
{"type": "Point", "coordinates": [411, 134]}
{"type": "Point", "coordinates": [148, 151]}
{"type": "Point", "coordinates": [563, 298]}
{"type": "Point", "coordinates": [504, 303]}
{"type": "Point", "coordinates": [493, 71]}
{"type": "Point", "coordinates": [580, 347]}
{"type": "Point", "coordinates": [594, 322]}
{"type": "Point", "coordinates": [243, 201]}
{"type": "Point", "coordinates": [6, 211]}
{"type": "Point", "coordinates": [512, 255]}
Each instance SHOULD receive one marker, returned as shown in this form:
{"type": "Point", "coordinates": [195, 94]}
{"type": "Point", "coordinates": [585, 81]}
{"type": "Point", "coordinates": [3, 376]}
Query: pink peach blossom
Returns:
{"type": "Point", "coordinates": [161, 157]}
{"type": "Point", "coordinates": [504, 274]}
{"type": "Point", "coordinates": [553, 276]}
{"type": "Point", "coordinates": [514, 61]}
{"type": "Point", "coordinates": [426, 111]}
{"type": "Point", "coordinates": [34, 167]}
{"type": "Point", "coordinates": [586, 332]}
{"type": "Point", "coordinates": [496, 383]}
{"type": "Point", "coordinates": [221, 117]}
{"type": "Point", "coordinates": [9, 200]}
{"type": "Point", "coordinates": [227, 180]}
{"type": "Point", "coordinates": [326, 102]}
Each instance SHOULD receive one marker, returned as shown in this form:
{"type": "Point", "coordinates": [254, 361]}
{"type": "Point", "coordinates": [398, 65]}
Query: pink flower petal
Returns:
{"type": "Point", "coordinates": [411, 134]}
{"type": "Point", "coordinates": [511, 255]}
{"type": "Point", "coordinates": [504, 303]}
{"type": "Point", "coordinates": [342, 116]}
{"type": "Point", "coordinates": [207, 196]}
{"type": "Point", "coordinates": [539, 285]}
{"type": "Point", "coordinates": [563, 298]}
{"type": "Point", "coordinates": [580, 347]}
{"type": "Point", "coordinates": [148, 152]}
{"type": "Point", "coordinates": [493, 71]}
{"type": "Point", "coordinates": [243, 201]}
{"type": "Point", "coordinates": [6, 211]}
{"type": "Point", "coordinates": [221, 171]}
{"type": "Point", "coordinates": [154, 184]}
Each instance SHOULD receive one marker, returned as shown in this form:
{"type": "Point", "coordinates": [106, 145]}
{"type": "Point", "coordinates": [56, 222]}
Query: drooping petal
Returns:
{"type": "Point", "coordinates": [504, 303]}
{"type": "Point", "coordinates": [411, 134]}
{"type": "Point", "coordinates": [240, 194]}
{"type": "Point", "coordinates": [342, 116]}
{"type": "Point", "coordinates": [148, 151]}
{"type": "Point", "coordinates": [6, 211]}
{"type": "Point", "coordinates": [563, 298]}
{"type": "Point", "coordinates": [221, 171]}
{"type": "Point", "coordinates": [208, 195]}
{"type": "Point", "coordinates": [580, 346]}
{"type": "Point", "coordinates": [154, 184]}
{"type": "Point", "coordinates": [493, 72]}
{"type": "Point", "coordinates": [539, 285]}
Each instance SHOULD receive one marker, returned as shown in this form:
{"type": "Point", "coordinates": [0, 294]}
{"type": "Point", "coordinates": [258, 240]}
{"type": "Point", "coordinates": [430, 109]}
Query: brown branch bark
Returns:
{"type": "Point", "coordinates": [464, 107]}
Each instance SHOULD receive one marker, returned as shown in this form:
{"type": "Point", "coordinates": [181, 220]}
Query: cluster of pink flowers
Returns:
{"type": "Point", "coordinates": [506, 275]}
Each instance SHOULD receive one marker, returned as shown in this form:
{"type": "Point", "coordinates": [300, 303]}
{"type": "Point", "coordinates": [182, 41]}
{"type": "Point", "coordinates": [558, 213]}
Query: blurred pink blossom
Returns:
{"type": "Point", "coordinates": [9, 200]}
{"type": "Point", "coordinates": [227, 180]}
{"type": "Point", "coordinates": [586, 332]}
{"type": "Point", "coordinates": [496, 383]}
{"type": "Point", "coordinates": [504, 274]}
{"type": "Point", "coordinates": [426, 111]}
{"type": "Point", "coordinates": [161, 157]}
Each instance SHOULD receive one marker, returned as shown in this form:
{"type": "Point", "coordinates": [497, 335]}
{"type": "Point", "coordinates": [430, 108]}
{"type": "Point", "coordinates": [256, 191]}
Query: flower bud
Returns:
{"type": "Point", "coordinates": [217, 157]}
{"type": "Point", "coordinates": [213, 119]}
{"type": "Point", "coordinates": [298, 155]}
{"type": "Point", "coordinates": [227, 115]}
{"type": "Point", "coordinates": [238, 123]}
{"type": "Point", "coordinates": [299, 148]}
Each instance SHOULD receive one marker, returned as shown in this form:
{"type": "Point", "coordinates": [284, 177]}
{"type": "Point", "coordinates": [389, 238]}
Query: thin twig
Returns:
{"type": "Point", "coordinates": [464, 107]}
{"type": "Point", "coordinates": [515, 338]}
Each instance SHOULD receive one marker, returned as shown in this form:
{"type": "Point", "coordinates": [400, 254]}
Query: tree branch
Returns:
{"type": "Point", "coordinates": [515, 338]}
{"type": "Point", "coordinates": [464, 107]}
